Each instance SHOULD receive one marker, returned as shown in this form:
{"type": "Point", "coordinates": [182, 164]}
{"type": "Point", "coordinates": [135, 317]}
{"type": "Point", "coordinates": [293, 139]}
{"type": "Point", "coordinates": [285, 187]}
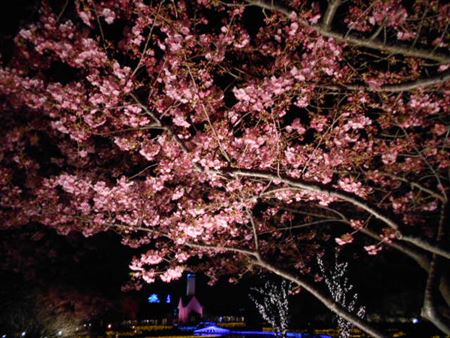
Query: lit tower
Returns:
{"type": "Point", "coordinates": [193, 309]}
{"type": "Point", "coordinates": [190, 285]}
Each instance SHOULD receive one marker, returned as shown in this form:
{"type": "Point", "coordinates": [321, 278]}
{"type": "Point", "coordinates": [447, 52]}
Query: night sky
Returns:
{"type": "Point", "coordinates": [99, 265]}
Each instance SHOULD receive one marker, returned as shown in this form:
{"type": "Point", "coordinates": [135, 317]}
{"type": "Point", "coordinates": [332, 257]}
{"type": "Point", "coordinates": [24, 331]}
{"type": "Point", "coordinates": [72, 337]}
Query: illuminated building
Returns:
{"type": "Point", "coordinates": [189, 308]}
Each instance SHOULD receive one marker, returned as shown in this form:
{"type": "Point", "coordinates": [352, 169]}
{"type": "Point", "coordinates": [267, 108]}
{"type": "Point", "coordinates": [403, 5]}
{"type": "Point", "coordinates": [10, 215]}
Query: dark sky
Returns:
{"type": "Point", "coordinates": [100, 264]}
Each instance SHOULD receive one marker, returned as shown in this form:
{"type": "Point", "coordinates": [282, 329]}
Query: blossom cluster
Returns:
{"type": "Point", "coordinates": [192, 123]}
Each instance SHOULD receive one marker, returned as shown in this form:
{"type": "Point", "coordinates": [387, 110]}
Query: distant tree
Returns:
{"type": "Point", "coordinates": [342, 291]}
{"type": "Point", "coordinates": [271, 301]}
{"type": "Point", "coordinates": [55, 311]}
{"type": "Point", "coordinates": [248, 135]}
{"type": "Point", "coordinates": [62, 311]}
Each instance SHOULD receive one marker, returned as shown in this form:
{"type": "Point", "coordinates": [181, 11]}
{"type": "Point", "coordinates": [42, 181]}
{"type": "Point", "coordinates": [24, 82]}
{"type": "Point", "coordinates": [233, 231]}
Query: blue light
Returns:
{"type": "Point", "coordinates": [168, 299]}
{"type": "Point", "coordinates": [221, 331]}
{"type": "Point", "coordinates": [153, 298]}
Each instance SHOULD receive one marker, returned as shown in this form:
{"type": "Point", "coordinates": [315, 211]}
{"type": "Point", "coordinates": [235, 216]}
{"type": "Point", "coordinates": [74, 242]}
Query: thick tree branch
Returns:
{"type": "Point", "coordinates": [427, 246]}
{"type": "Point", "coordinates": [392, 49]}
{"type": "Point", "coordinates": [429, 310]}
{"type": "Point", "coordinates": [411, 85]}
{"type": "Point", "coordinates": [313, 187]}
{"type": "Point", "coordinates": [343, 196]}
{"type": "Point", "coordinates": [330, 13]}
{"type": "Point", "coordinates": [390, 88]}
{"type": "Point", "coordinates": [444, 288]}
{"type": "Point", "coordinates": [356, 40]}
{"type": "Point", "coordinates": [420, 259]}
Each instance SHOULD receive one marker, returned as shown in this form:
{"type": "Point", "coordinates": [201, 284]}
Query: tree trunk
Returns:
{"type": "Point", "coordinates": [429, 304]}
{"type": "Point", "coordinates": [444, 288]}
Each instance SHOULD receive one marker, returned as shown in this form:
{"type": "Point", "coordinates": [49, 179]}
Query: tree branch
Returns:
{"type": "Point", "coordinates": [418, 186]}
{"type": "Point", "coordinates": [222, 249]}
{"type": "Point", "coordinates": [270, 5]}
{"type": "Point", "coordinates": [330, 13]}
{"type": "Point", "coordinates": [343, 196]}
{"type": "Point", "coordinates": [420, 259]}
{"type": "Point", "coordinates": [313, 187]}
{"type": "Point", "coordinates": [427, 246]}
{"type": "Point", "coordinates": [158, 122]}
{"type": "Point", "coordinates": [390, 88]}
{"type": "Point", "coordinates": [255, 232]}
{"type": "Point", "coordinates": [306, 225]}
{"type": "Point", "coordinates": [356, 40]}
{"type": "Point", "coordinates": [296, 211]}
{"type": "Point", "coordinates": [411, 85]}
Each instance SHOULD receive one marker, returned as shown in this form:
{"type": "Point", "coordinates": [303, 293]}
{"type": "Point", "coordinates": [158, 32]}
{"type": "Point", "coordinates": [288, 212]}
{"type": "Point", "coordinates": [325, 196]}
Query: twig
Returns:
{"type": "Point", "coordinates": [255, 232]}
{"type": "Point", "coordinates": [356, 40]}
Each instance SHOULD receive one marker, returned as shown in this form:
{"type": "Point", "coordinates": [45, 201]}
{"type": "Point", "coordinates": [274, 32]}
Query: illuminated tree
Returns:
{"type": "Point", "coordinates": [252, 133]}
{"type": "Point", "coordinates": [271, 301]}
{"type": "Point", "coordinates": [342, 292]}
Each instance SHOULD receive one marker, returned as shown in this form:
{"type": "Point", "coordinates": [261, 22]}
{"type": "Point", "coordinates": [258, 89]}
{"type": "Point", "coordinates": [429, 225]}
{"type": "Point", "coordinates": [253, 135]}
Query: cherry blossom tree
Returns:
{"type": "Point", "coordinates": [249, 134]}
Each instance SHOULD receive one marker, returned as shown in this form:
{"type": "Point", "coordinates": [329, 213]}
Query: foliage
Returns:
{"type": "Point", "coordinates": [235, 131]}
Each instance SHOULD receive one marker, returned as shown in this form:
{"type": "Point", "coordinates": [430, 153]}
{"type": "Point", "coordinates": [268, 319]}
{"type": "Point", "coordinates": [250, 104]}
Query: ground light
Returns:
{"type": "Point", "coordinates": [221, 331]}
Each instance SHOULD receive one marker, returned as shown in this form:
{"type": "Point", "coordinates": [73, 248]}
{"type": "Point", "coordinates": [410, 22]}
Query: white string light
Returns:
{"type": "Point", "coordinates": [341, 291]}
{"type": "Point", "coordinates": [271, 301]}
